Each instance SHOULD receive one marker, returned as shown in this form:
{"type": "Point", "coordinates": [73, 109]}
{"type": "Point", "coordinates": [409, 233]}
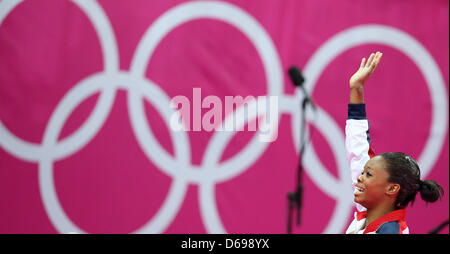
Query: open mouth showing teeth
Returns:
{"type": "Point", "coordinates": [358, 190]}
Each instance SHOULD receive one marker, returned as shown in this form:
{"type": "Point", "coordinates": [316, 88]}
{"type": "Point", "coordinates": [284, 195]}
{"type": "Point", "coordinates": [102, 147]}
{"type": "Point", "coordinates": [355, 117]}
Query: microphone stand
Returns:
{"type": "Point", "coordinates": [295, 198]}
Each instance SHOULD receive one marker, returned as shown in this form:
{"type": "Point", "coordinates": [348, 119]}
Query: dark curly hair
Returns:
{"type": "Point", "coordinates": [404, 171]}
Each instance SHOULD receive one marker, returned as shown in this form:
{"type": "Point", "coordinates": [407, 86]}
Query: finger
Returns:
{"type": "Point", "coordinates": [363, 63]}
{"type": "Point", "coordinates": [377, 55]}
{"type": "Point", "coordinates": [380, 55]}
{"type": "Point", "coordinates": [378, 59]}
{"type": "Point", "coordinates": [370, 61]}
{"type": "Point", "coordinates": [375, 63]}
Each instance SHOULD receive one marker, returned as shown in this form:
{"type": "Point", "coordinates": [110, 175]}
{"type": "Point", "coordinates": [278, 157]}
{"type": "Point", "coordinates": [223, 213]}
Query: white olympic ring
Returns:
{"type": "Point", "coordinates": [211, 171]}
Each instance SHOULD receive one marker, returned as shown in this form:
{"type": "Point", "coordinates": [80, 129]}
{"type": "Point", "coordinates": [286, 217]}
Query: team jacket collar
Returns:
{"type": "Point", "coordinates": [397, 215]}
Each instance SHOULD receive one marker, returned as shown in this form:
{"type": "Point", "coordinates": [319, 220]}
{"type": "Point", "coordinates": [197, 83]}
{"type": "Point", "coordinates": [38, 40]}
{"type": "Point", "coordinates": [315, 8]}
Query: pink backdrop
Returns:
{"type": "Point", "coordinates": [82, 95]}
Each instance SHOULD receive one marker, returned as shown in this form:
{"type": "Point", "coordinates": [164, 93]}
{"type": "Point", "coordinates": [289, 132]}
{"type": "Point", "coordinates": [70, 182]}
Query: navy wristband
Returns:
{"type": "Point", "coordinates": [357, 111]}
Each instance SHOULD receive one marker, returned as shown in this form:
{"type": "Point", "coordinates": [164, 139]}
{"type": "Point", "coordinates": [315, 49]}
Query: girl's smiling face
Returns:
{"type": "Point", "coordinates": [373, 185]}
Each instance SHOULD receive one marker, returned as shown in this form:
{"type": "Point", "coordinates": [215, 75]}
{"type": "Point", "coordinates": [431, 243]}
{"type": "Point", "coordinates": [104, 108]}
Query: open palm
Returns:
{"type": "Point", "coordinates": [365, 71]}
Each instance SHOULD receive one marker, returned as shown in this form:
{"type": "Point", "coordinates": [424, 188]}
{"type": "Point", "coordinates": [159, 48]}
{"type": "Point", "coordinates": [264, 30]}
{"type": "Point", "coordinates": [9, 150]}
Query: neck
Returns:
{"type": "Point", "coordinates": [377, 212]}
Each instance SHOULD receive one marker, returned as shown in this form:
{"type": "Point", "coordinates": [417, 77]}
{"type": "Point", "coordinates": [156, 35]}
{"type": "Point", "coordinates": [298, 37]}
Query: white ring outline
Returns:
{"type": "Point", "coordinates": [199, 10]}
{"type": "Point", "coordinates": [256, 34]}
{"type": "Point", "coordinates": [50, 150]}
{"type": "Point", "coordinates": [32, 152]}
{"type": "Point", "coordinates": [178, 188]}
{"type": "Point", "coordinates": [395, 38]}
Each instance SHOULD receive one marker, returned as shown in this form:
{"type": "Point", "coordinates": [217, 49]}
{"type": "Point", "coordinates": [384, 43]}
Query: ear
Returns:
{"type": "Point", "coordinates": [392, 189]}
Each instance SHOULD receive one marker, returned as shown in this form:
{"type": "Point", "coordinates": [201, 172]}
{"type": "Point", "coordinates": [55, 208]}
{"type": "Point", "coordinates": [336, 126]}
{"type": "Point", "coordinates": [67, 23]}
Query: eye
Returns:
{"type": "Point", "coordinates": [367, 173]}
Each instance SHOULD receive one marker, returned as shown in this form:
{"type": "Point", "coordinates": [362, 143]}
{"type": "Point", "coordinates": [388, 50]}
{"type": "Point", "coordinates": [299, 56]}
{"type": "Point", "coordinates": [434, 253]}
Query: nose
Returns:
{"type": "Point", "coordinates": [360, 178]}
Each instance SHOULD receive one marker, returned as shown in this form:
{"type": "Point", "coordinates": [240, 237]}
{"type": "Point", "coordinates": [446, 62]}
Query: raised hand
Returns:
{"type": "Point", "coordinates": [366, 70]}
{"type": "Point", "coordinates": [357, 81]}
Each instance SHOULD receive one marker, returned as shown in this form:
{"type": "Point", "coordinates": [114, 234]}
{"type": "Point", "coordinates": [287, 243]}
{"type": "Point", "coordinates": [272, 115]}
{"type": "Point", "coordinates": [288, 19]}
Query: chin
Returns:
{"type": "Point", "coordinates": [359, 200]}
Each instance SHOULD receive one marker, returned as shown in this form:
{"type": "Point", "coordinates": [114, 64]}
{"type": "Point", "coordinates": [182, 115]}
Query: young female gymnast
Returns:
{"type": "Point", "coordinates": [383, 185]}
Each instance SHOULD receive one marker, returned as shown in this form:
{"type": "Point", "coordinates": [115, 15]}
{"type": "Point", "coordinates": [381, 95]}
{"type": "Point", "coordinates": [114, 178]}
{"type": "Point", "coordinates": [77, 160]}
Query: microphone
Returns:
{"type": "Point", "coordinates": [296, 76]}
{"type": "Point", "coordinates": [298, 80]}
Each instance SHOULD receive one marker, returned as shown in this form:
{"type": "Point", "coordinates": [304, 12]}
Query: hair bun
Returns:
{"type": "Point", "coordinates": [430, 191]}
